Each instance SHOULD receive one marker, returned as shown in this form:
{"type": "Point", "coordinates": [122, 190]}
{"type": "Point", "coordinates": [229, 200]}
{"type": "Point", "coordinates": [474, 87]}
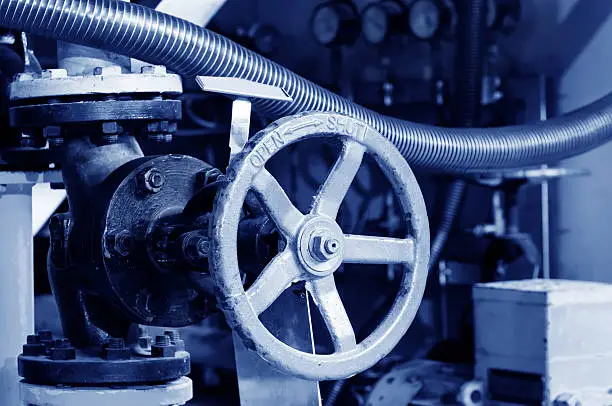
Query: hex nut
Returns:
{"type": "Point", "coordinates": [124, 243]}
{"type": "Point", "coordinates": [62, 350]}
{"type": "Point", "coordinates": [163, 347]}
{"type": "Point", "coordinates": [33, 346]}
{"type": "Point", "coordinates": [153, 180]}
{"type": "Point", "coordinates": [115, 350]}
{"type": "Point", "coordinates": [324, 248]}
{"type": "Point", "coordinates": [162, 127]}
{"type": "Point", "coordinates": [111, 127]}
{"type": "Point", "coordinates": [175, 339]}
{"type": "Point", "coordinates": [45, 336]}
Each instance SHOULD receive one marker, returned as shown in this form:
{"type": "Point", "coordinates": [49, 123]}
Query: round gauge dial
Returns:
{"type": "Point", "coordinates": [335, 23]}
{"type": "Point", "coordinates": [382, 20]}
{"type": "Point", "coordinates": [266, 38]}
{"type": "Point", "coordinates": [375, 24]}
{"type": "Point", "coordinates": [425, 19]}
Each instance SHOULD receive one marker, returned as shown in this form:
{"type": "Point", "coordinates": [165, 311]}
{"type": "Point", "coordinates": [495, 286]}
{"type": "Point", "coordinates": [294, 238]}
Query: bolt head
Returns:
{"type": "Point", "coordinates": [54, 73]}
{"type": "Point", "coordinates": [153, 70]}
{"type": "Point", "coordinates": [203, 247]}
{"type": "Point", "coordinates": [153, 180]}
{"type": "Point", "coordinates": [207, 177]}
{"type": "Point", "coordinates": [124, 243]}
{"type": "Point", "coordinates": [163, 351]}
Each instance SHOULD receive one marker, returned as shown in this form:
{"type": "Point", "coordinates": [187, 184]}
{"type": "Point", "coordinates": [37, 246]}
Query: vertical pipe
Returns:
{"type": "Point", "coordinates": [16, 284]}
{"type": "Point", "coordinates": [80, 60]}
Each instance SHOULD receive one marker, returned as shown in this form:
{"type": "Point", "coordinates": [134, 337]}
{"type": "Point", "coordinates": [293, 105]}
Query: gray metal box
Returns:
{"type": "Point", "coordinates": [556, 331]}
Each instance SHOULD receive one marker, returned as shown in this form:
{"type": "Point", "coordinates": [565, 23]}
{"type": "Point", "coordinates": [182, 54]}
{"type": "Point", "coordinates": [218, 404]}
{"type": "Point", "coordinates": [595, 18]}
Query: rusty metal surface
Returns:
{"type": "Point", "coordinates": [242, 308]}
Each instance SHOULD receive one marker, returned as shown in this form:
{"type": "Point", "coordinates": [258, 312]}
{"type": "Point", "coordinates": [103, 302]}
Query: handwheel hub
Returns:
{"type": "Point", "coordinates": [320, 245]}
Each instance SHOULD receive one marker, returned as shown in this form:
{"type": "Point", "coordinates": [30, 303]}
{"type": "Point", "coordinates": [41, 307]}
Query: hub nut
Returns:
{"type": "Point", "coordinates": [324, 248]}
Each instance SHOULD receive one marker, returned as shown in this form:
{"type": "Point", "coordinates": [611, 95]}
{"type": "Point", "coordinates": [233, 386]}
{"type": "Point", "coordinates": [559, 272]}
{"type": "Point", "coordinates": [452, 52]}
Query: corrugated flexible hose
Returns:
{"type": "Point", "coordinates": [154, 37]}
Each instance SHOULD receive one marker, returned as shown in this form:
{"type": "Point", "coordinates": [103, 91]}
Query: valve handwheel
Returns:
{"type": "Point", "coordinates": [316, 246]}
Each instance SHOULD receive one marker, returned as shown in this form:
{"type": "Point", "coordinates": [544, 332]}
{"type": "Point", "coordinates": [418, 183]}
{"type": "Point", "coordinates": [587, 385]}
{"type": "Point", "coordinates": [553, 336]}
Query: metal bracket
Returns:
{"type": "Point", "coordinates": [242, 90]}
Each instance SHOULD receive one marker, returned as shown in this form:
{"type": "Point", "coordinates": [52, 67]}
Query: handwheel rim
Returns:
{"type": "Point", "coordinates": [233, 299]}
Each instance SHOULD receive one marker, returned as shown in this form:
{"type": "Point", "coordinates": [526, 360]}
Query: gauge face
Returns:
{"type": "Point", "coordinates": [375, 24]}
{"type": "Point", "coordinates": [326, 24]}
{"type": "Point", "coordinates": [267, 39]}
{"type": "Point", "coordinates": [424, 18]}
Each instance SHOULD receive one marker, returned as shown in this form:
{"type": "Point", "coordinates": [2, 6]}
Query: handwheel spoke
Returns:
{"type": "Point", "coordinates": [362, 249]}
{"type": "Point", "coordinates": [277, 276]}
{"type": "Point", "coordinates": [277, 204]}
{"type": "Point", "coordinates": [325, 296]}
{"type": "Point", "coordinates": [332, 192]}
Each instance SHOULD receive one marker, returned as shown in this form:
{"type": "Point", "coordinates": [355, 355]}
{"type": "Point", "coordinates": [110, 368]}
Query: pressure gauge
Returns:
{"type": "Point", "coordinates": [336, 23]}
{"type": "Point", "coordinates": [427, 19]}
{"type": "Point", "coordinates": [383, 20]}
{"type": "Point", "coordinates": [266, 38]}
{"type": "Point", "coordinates": [260, 37]}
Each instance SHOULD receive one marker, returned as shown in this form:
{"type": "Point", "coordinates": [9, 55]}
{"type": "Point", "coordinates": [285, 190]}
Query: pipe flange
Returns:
{"type": "Point", "coordinates": [55, 83]}
{"type": "Point", "coordinates": [55, 362]}
{"type": "Point", "coordinates": [45, 115]}
{"type": "Point", "coordinates": [315, 238]}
